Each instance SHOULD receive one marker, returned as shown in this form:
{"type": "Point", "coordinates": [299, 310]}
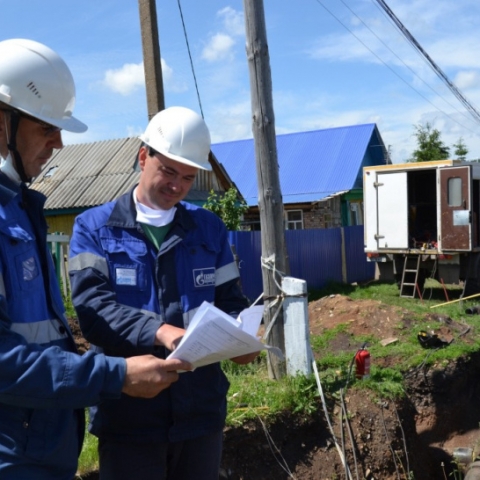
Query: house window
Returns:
{"type": "Point", "coordinates": [356, 213]}
{"type": "Point", "coordinates": [294, 220]}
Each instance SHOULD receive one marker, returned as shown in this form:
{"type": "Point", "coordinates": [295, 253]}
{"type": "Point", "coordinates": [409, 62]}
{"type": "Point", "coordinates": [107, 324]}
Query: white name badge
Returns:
{"type": "Point", "coordinates": [126, 276]}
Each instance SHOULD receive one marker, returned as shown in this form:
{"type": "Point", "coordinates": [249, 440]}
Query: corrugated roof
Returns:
{"type": "Point", "coordinates": [85, 175]}
{"type": "Point", "coordinates": [312, 165]}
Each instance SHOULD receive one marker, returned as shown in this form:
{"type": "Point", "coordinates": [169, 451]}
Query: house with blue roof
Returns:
{"type": "Point", "coordinates": [320, 174]}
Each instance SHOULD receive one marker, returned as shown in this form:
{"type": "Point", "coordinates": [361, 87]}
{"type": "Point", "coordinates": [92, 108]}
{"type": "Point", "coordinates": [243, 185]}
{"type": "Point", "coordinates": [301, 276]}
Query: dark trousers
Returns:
{"type": "Point", "coordinates": [197, 459]}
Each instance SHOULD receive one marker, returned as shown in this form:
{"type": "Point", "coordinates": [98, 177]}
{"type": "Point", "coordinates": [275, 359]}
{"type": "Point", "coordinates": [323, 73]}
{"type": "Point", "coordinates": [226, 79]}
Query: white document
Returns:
{"type": "Point", "coordinates": [213, 335]}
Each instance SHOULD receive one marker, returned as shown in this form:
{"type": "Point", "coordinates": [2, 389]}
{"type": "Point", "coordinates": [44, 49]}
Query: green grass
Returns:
{"type": "Point", "coordinates": [88, 461]}
{"type": "Point", "coordinates": [252, 393]}
{"type": "Point", "coordinates": [69, 309]}
{"type": "Point", "coordinates": [408, 352]}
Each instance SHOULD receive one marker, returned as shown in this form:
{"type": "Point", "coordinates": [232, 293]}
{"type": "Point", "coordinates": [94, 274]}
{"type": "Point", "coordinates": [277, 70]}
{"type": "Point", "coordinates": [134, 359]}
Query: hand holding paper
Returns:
{"type": "Point", "coordinates": [213, 336]}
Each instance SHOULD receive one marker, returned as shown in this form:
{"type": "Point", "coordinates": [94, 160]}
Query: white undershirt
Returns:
{"type": "Point", "coordinates": [6, 166]}
{"type": "Point", "coordinates": [152, 216]}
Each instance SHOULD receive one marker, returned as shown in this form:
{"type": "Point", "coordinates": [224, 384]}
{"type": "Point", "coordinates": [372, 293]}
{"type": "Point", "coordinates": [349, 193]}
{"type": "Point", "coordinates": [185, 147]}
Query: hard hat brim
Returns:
{"type": "Point", "coordinates": [202, 166]}
{"type": "Point", "coordinates": [70, 124]}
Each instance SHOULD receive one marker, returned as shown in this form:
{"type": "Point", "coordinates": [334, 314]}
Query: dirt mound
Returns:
{"type": "Point", "coordinates": [372, 318]}
{"type": "Point", "coordinates": [381, 440]}
{"type": "Point", "coordinates": [363, 317]}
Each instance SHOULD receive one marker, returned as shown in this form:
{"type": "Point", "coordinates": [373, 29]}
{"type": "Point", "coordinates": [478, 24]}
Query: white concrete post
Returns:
{"type": "Point", "coordinates": [297, 332]}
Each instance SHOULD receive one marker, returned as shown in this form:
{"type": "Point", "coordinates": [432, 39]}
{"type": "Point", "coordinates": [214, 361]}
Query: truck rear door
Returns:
{"type": "Point", "coordinates": [386, 207]}
{"type": "Point", "coordinates": [455, 208]}
{"type": "Point", "coordinates": [392, 210]}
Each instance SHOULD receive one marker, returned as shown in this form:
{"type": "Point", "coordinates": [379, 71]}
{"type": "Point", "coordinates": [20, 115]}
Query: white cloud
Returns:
{"type": "Point", "coordinates": [220, 45]}
{"type": "Point", "coordinates": [467, 80]}
{"type": "Point", "coordinates": [131, 76]}
{"type": "Point", "coordinates": [126, 79]}
{"type": "Point", "coordinates": [218, 48]}
{"type": "Point", "coordinates": [233, 21]}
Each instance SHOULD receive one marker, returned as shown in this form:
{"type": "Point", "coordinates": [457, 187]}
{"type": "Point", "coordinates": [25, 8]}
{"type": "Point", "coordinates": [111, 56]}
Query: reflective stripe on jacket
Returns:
{"type": "Point", "coordinates": [44, 383]}
{"type": "Point", "coordinates": [124, 290]}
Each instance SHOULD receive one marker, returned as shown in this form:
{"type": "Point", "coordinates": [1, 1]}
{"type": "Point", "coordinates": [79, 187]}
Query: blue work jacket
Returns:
{"type": "Point", "coordinates": [44, 383]}
{"type": "Point", "coordinates": [124, 289]}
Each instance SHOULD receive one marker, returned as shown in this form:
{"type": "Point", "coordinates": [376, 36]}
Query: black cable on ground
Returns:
{"type": "Point", "coordinates": [325, 409]}
{"type": "Point", "coordinates": [432, 276]}
{"type": "Point", "coordinates": [390, 445]}
{"type": "Point", "coordinates": [350, 432]}
{"type": "Point", "coordinates": [342, 440]}
{"type": "Point", "coordinates": [404, 440]}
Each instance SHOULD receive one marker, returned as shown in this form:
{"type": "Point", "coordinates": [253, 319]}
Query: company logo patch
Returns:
{"type": "Point", "coordinates": [204, 277]}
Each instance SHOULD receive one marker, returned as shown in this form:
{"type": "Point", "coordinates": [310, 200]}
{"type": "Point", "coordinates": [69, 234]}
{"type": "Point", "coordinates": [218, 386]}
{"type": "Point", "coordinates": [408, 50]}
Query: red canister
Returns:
{"type": "Point", "coordinates": [362, 364]}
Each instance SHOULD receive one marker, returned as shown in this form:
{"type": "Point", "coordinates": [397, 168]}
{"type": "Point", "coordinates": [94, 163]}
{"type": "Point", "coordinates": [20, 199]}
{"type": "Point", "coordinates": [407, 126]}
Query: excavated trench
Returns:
{"type": "Point", "coordinates": [447, 411]}
{"type": "Point", "coordinates": [412, 439]}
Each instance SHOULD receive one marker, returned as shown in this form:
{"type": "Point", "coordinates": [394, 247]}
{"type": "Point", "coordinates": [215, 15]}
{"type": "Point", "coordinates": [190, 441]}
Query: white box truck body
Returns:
{"type": "Point", "coordinates": [425, 213]}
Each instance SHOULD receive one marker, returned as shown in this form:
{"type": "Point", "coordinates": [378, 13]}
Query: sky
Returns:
{"type": "Point", "coordinates": [333, 63]}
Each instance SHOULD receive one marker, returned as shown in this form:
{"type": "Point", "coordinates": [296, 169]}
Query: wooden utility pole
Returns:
{"type": "Point", "coordinates": [151, 57]}
{"type": "Point", "coordinates": [270, 200]}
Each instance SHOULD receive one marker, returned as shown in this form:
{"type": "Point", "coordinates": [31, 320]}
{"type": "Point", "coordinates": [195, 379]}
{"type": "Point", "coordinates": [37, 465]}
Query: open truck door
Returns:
{"type": "Point", "coordinates": [386, 212]}
{"type": "Point", "coordinates": [455, 208]}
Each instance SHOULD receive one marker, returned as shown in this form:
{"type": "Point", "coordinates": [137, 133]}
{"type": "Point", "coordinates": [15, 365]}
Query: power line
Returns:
{"type": "Point", "coordinates": [390, 68]}
{"type": "Point", "coordinates": [190, 56]}
{"type": "Point", "coordinates": [407, 66]}
{"type": "Point", "coordinates": [473, 111]}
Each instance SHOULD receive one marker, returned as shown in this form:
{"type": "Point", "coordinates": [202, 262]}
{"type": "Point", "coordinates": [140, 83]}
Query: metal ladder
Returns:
{"type": "Point", "coordinates": [411, 267]}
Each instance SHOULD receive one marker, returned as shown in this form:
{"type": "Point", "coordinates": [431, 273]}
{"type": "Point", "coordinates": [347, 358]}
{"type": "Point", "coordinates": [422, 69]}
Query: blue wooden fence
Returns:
{"type": "Point", "coordinates": [317, 256]}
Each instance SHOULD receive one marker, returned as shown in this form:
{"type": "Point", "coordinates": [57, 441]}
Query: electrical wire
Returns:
{"type": "Point", "coordinates": [432, 277]}
{"type": "Point", "coordinates": [453, 88]}
{"type": "Point", "coordinates": [403, 439]}
{"type": "Point", "coordinates": [275, 451]}
{"type": "Point", "coordinates": [190, 56]}
{"type": "Point", "coordinates": [398, 58]}
{"type": "Point", "coordinates": [330, 427]}
{"type": "Point", "coordinates": [342, 441]}
{"type": "Point", "coordinates": [389, 443]}
{"type": "Point", "coordinates": [350, 432]}
{"type": "Point", "coordinates": [392, 70]}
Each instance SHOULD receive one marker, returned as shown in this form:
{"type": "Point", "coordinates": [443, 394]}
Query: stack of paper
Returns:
{"type": "Point", "coordinates": [213, 335]}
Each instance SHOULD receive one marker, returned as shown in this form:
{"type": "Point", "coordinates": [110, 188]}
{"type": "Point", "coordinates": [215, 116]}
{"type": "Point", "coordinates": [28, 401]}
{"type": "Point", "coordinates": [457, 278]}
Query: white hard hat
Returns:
{"type": "Point", "coordinates": [180, 134]}
{"type": "Point", "coordinates": [36, 81]}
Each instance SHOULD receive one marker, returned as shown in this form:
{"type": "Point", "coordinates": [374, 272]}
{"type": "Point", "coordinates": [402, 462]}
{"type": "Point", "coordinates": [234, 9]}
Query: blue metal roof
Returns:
{"type": "Point", "coordinates": [312, 165]}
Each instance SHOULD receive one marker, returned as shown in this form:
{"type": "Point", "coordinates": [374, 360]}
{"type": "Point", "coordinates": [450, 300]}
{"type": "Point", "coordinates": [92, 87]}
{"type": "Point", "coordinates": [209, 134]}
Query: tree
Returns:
{"type": "Point", "coordinates": [430, 145]}
{"type": "Point", "coordinates": [461, 149]}
{"type": "Point", "coordinates": [228, 207]}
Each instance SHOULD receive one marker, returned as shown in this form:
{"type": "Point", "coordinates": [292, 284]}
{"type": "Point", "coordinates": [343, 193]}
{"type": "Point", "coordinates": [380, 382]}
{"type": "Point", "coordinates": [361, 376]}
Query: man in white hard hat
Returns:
{"type": "Point", "coordinates": [140, 267]}
{"type": "Point", "coordinates": [44, 383]}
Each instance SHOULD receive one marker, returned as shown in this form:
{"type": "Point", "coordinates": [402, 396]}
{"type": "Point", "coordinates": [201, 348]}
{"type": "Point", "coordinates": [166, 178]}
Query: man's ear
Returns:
{"type": "Point", "coordinates": [142, 157]}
